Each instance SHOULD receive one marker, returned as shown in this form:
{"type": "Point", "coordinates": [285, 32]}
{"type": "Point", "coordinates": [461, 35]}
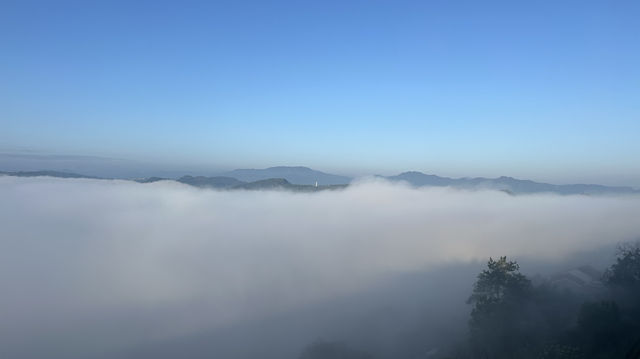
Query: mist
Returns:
{"type": "Point", "coordinates": [105, 268]}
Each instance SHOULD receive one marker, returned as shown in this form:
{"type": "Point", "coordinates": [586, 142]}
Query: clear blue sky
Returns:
{"type": "Point", "coordinates": [546, 90]}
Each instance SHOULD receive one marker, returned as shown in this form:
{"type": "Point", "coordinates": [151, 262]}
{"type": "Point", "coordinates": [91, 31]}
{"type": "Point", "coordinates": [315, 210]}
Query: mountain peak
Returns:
{"type": "Point", "coordinates": [300, 168]}
{"type": "Point", "coordinates": [299, 175]}
{"type": "Point", "coordinates": [509, 184]}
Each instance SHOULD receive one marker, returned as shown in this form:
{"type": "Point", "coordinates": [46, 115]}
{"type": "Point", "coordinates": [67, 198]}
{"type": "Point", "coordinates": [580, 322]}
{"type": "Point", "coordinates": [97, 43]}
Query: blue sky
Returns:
{"type": "Point", "coordinates": [548, 90]}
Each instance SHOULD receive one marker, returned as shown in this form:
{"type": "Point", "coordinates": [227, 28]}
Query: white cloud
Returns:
{"type": "Point", "coordinates": [75, 251]}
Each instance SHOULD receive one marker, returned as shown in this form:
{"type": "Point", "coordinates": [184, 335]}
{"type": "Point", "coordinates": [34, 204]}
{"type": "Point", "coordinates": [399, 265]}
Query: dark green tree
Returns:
{"type": "Point", "coordinates": [625, 272]}
{"type": "Point", "coordinates": [332, 350]}
{"type": "Point", "coordinates": [499, 299]}
{"type": "Point", "coordinates": [561, 351]}
{"type": "Point", "coordinates": [499, 282]}
{"type": "Point", "coordinates": [601, 330]}
{"type": "Point", "coordinates": [623, 279]}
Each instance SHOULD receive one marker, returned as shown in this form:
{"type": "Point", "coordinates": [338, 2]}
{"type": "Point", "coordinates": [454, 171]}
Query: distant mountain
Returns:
{"type": "Point", "coordinates": [419, 179]}
{"type": "Point", "coordinates": [211, 182]}
{"type": "Point", "coordinates": [507, 184]}
{"type": "Point", "coordinates": [294, 175]}
{"type": "Point", "coordinates": [58, 174]}
{"type": "Point", "coordinates": [216, 182]}
{"type": "Point", "coordinates": [150, 179]}
{"type": "Point", "coordinates": [303, 179]}
{"type": "Point", "coordinates": [281, 183]}
{"type": "Point", "coordinates": [271, 183]}
{"type": "Point", "coordinates": [230, 183]}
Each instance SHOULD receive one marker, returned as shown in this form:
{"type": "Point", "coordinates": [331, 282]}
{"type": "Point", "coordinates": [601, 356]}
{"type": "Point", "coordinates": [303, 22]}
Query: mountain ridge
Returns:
{"type": "Point", "coordinates": [292, 182]}
{"type": "Point", "coordinates": [294, 174]}
{"type": "Point", "coordinates": [505, 183]}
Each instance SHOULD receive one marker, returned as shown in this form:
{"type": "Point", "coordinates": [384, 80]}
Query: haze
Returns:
{"type": "Point", "coordinates": [93, 267]}
{"type": "Point", "coordinates": [544, 90]}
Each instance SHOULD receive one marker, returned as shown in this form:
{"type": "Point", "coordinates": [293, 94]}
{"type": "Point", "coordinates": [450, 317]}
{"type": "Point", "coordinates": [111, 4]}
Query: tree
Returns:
{"type": "Point", "coordinates": [561, 351]}
{"type": "Point", "coordinates": [498, 329]}
{"type": "Point", "coordinates": [501, 280]}
{"type": "Point", "coordinates": [332, 350]}
{"type": "Point", "coordinates": [623, 278]}
{"type": "Point", "coordinates": [601, 330]}
{"type": "Point", "coordinates": [625, 272]}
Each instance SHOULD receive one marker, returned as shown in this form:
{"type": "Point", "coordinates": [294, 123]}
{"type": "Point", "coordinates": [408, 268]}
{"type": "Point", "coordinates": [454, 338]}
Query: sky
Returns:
{"type": "Point", "coordinates": [544, 90]}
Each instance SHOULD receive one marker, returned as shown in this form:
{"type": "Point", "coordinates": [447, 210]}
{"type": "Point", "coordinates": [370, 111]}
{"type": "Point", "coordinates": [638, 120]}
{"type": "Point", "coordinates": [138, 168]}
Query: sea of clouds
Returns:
{"type": "Point", "coordinates": [93, 266]}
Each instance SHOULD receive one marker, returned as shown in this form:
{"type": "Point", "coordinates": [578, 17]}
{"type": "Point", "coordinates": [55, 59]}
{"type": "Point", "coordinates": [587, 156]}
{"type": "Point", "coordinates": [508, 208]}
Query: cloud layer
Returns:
{"type": "Point", "coordinates": [106, 264]}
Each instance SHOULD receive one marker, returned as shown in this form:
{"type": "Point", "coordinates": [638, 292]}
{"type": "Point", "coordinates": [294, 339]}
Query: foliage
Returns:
{"type": "Point", "coordinates": [499, 299]}
{"type": "Point", "coordinates": [623, 279]}
{"type": "Point", "coordinates": [625, 272]}
{"type": "Point", "coordinates": [601, 329]}
{"type": "Point", "coordinates": [332, 350]}
{"type": "Point", "coordinates": [500, 281]}
{"type": "Point", "coordinates": [561, 351]}
{"type": "Point", "coordinates": [512, 318]}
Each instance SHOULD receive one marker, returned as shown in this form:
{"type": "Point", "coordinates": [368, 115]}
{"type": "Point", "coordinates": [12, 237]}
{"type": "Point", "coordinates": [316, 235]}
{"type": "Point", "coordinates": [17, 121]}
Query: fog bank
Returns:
{"type": "Point", "coordinates": [94, 266]}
